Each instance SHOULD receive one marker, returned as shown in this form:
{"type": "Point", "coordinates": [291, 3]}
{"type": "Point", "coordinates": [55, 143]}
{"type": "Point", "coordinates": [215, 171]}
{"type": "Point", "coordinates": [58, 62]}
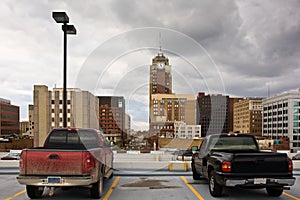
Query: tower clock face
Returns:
{"type": "Point", "coordinates": [160, 65]}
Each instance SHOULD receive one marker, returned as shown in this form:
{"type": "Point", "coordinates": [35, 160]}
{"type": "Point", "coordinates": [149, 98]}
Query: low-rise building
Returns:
{"type": "Point", "coordinates": [281, 118]}
{"type": "Point", "coordinates": [9, 118]}
{"type": "Point", "coordinates": [182, 130]}
{"type": "Point", "coordinates": [248, 116]}
{"type": "Point", "coordinates": [112, 118]}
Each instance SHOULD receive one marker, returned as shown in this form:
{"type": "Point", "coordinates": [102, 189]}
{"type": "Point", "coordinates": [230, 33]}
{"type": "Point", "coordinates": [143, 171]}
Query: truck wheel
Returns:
{"type": "Point", "coordinates": [196, 176]}
{"type": "Point", "coordinates": [97, 189]}
{"type": "Point", "coordinates": [214, 188]}
{"type": "Point", "coordinates": [34, 192]}
{"type": "Point", "coordinates": [274, 191]}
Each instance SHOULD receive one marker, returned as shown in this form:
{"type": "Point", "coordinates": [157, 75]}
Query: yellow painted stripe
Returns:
{"type": "Point", "coordinates": [112, 187]}
{"type": "Point", "coordinates": [192, 188]}
{"type": "Point", "coordinates": [185, 166]}
{"type": "Point", "coordinates": [291, 196]}
{"type": "Point", "coordinates": [16, 195]}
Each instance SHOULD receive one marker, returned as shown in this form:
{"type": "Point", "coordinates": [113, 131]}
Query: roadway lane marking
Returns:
{"type": "Point", "coordinates": [16, 195]}
{"type": "Point", "coordinates": [192, 188]}
{"type": "Point", "coordinates": [291, 196]}
{"type": "Point", "coordinates": [112, 187]}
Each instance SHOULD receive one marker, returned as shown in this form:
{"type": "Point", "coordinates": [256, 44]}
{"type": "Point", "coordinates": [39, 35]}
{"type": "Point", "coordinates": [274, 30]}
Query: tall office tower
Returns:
{"type": "Point", "coordinates": [165, 107]}
{"type": "Point", "coordinates": [160, 83]}
{"type": "Point", "coordinates": [112, 118]}
{"type": "Point", "coordinates": [281, 118]}
{"type": "Point", "coordinates": [160, 75]}
{"type": "Point", "coordinates": [9, 118]}
{"type": "Point", "coordinates": [212, 113]}
{"type": "Point", "coordinates": [248, 116]}
{"type": "Point", "coordinates": [82, 110]}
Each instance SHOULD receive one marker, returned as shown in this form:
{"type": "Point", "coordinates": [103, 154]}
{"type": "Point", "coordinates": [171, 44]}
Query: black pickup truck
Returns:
{"type": "Point", "coordinates": [234, 160]}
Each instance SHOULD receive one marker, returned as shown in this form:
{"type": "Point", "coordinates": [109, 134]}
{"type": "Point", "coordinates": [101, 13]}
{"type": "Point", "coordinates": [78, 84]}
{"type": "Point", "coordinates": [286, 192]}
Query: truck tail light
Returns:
{"type": "Point", "coordinates": [226, 166]}
{"type": "Point", "coordinates": [21, 163]}
{"type": "Point", "coordinates": [89, 163]}
{"type": "Point", "coordinates": [290, 166]}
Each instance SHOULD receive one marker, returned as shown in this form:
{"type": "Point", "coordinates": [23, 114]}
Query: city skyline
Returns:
{"type": "Point", "coordinates": [236, 48]}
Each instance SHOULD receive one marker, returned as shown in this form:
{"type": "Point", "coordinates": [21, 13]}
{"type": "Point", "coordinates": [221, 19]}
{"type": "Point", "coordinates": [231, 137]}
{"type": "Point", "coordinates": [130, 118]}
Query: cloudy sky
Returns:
{"type": "Point", "coordinates": [236, 48]}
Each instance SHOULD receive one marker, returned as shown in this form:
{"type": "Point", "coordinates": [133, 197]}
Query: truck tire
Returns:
{"type": "Point", "coordinates": [34, 192]}
{"type": "Point", "coordinates": [274, 191]}
{"type": "Point", "coordinates": [196, 176]}
{"type": "Point", "coordinates": [97, 189]}
{"type": "Point", "coordinates": [214, 188]}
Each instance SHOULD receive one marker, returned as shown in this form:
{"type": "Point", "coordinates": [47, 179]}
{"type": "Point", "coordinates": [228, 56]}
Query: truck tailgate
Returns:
{"type": "Point", "coordinates": [52, 162]}
{"type": "Point", "coordinates": [260, 163]}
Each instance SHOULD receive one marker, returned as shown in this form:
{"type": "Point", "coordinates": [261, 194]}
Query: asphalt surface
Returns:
{"type": "Point", "coordinates": [145, 188]}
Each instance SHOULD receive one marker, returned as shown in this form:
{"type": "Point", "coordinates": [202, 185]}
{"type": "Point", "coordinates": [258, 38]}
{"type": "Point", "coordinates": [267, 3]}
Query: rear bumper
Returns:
{"type": "Point", "coordinates": [64, 181]}
{"type": "Point", "coordinates": [264, 182]}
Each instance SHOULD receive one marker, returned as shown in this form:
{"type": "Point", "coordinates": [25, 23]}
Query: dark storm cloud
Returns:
{"type": "Point", "coordinates": [247, 46]}
{"type": "Point", "coordinates": [268, 41]}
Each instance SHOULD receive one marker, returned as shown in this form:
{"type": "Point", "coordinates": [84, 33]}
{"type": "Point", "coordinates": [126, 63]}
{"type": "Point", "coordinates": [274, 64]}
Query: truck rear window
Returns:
{"type": "Point", "coordinates": [72, 139]}
{"type": "Point", "coordinates": [233, 143]}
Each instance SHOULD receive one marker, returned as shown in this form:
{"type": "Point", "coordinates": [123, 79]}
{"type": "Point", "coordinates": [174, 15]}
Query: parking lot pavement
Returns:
{"type": "Point", "coordinates": [145, 187]}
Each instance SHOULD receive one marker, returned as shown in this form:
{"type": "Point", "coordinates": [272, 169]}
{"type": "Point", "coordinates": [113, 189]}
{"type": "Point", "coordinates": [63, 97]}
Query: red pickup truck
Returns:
{"type": "Point", "coordinates": [69, 157]}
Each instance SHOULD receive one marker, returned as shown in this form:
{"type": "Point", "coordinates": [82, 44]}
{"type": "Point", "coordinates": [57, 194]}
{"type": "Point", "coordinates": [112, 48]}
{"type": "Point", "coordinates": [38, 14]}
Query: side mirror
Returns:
{"type": "Point", "coordinates": [194, 148]}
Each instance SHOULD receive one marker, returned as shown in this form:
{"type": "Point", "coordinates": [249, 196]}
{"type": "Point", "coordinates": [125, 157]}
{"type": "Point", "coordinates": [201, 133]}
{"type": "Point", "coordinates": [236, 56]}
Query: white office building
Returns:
{"type": "Point", "coordinates": [184, 131]}
{"type": "Point", "coordinates": [82, 110]}
{"type": "Point", "coordinates": [281, 118]}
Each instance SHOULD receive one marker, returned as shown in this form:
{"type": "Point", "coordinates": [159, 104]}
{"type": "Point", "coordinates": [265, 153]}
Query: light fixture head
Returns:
{"type": "Point", "coordinates": [60, 17]}
{"type": "Point", "coordinates": [69, 29]}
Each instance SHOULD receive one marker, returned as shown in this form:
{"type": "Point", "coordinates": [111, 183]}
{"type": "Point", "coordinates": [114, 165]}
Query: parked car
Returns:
{"type": "Point", "coordinates": [296, 157]}
{"type": "Point", "coordinates": [12, 155]}
{"type": "Point", "coordinates": [234, 160]}
{"type": "Point", "coordinates": [183, 154]}
{"type": "Point", "coordinates": [70, 157]}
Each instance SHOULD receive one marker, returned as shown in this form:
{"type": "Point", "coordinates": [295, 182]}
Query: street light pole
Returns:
{"type": "Point", "coordinates": [65, 80]}
{"type": "Point", "coordinates": [62, 17]}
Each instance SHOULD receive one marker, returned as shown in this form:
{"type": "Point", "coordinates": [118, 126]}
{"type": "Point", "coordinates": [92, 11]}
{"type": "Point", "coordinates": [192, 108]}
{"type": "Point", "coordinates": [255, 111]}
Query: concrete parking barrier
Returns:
{"type": "Point", "coordinates": [178, 166]}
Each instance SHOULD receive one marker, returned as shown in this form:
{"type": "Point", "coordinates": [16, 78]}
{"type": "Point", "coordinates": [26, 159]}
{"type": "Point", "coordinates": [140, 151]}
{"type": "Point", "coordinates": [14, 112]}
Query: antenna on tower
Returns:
{"type": "Point", "coordinates": [159, 41]}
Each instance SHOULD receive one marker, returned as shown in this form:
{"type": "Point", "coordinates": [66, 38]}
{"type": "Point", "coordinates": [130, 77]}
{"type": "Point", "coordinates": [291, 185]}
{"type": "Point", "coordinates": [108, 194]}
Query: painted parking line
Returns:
{"type": "Point", "coordinates": [192, 188]}
{"type": "Point", "coordinates": [112, 187]}
{"type": "Point", "coordinates": [16, 195]}
{"type": "Point", "coordinates": [291, 196]}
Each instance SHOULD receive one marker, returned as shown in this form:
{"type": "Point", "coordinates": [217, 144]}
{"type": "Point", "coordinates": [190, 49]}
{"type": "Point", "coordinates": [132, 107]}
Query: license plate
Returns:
{"type": "Point", "coordinates": [259, 181]}
{"type": "Point", "coordinates": [54, 179]}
